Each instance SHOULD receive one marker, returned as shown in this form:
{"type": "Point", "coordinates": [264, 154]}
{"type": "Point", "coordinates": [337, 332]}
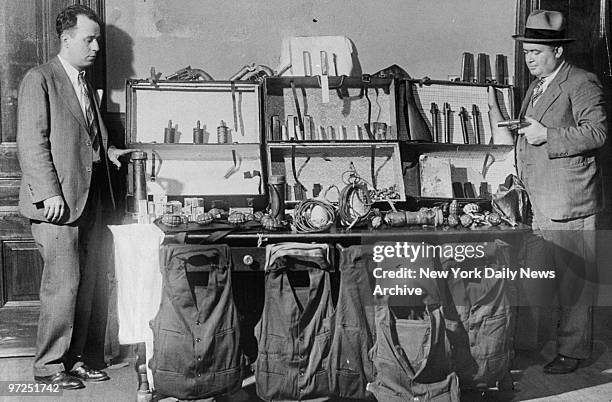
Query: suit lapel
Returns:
{"type": "Point", "coordinates": [67, 93]}
{"type": "Point", "coordinates": [551, 94]}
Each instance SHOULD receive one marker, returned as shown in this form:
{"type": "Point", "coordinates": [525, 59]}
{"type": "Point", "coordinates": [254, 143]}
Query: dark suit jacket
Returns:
{"type": "Point", "coordinates": [55, 149]}
{"type": "Point", "coordinates": [561, 175]}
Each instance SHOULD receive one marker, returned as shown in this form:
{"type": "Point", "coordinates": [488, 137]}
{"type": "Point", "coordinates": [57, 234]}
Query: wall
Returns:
{"type": "Point", "coordinates": [425, 37]}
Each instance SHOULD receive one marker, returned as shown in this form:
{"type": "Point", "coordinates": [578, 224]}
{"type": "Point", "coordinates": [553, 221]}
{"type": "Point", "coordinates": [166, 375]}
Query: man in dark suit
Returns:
{"type": "Point", "coordinates": [63, 150]}
{"type": "Point", "coordinates": [556, 159]}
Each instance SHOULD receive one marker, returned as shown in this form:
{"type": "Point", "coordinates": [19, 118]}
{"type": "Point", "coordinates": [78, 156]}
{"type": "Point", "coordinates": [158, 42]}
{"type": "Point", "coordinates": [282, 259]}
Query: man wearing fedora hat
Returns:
{"type": "Point", "coordinates": [556, 159]}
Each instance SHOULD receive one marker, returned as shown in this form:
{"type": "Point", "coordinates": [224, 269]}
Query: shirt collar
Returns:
{"type": "Point", "coordinates": [548, 80]}
{"type": "Point", "coordinates": [72, 72]}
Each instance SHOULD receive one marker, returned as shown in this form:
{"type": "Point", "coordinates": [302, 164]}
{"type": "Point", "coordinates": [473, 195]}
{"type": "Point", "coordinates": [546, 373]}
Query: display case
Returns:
{"type": "Point", "coordinates": [202, 139]}
{"type": "Point", "coordinates": [322, 132]}
{"type": "Point", "coordinates": [457, 153]}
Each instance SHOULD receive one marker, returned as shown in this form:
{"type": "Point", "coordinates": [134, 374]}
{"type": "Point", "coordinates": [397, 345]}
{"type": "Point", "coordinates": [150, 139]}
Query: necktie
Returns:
{"type": "Point", "coordinates": [538, 90]}
{"type": "Point", "coordinates": [89, 113]}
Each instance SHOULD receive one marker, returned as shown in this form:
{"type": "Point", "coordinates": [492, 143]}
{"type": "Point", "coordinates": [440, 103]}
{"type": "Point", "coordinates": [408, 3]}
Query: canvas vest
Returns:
{"type": "Point", "coordinates": [295, 330]}
{"type": "Point", "coordinates": [412, 358]}
{"type": "Point", "coordinates": [196, 336]}
{"type": "Point", "coordinates": [351, 367]}
{"type": "Point", "coordinates": [412, 354]}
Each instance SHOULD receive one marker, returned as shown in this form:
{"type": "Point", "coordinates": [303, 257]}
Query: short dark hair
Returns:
{"type": "Point", "coordinates": [67, 18]}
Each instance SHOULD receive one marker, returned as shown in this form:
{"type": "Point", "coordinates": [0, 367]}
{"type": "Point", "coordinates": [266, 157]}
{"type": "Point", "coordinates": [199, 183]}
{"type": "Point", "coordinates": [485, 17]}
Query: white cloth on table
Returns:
{"type": "Point", "coordinates": [139, 283]}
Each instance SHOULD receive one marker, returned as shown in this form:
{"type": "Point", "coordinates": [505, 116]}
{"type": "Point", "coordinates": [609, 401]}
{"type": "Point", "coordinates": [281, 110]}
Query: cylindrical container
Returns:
{"type": "Point", "coordinates": [169, 133]}
{"type": "Point", "coordinates": [222, 133]}
{"type": "Point", "coordinates": [276, 184]}
{"type": "Point", "coordinates": [138, 159]}
{"type": "Point", "coordinates": [198, 134]}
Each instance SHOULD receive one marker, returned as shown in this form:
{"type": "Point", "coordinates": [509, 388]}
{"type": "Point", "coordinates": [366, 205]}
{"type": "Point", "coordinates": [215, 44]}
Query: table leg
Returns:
{"type": "Point", "coordinates": [143, 393]}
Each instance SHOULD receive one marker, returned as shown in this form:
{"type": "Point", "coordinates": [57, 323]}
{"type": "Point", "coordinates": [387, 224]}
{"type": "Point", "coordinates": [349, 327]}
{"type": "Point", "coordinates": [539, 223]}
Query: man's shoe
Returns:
{"type": "Point", "coordinates": [562, 365]}
{"type": "Point", "coordinates": [62, 380]}
{"type": "Point", "coordinates": [85, 373]}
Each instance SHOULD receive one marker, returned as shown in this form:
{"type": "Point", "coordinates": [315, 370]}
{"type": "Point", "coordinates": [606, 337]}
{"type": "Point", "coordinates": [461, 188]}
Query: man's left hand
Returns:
{"type": "Point", "coordinates": [114, 154]}
{"type": "Point", "coordinates": [535, 132]}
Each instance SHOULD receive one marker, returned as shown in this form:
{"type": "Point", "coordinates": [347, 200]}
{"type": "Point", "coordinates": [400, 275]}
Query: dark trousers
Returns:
{"type": "Point", "coordinates": [568, 247]}
{"type": "Point", "coordinates": [68, 286]}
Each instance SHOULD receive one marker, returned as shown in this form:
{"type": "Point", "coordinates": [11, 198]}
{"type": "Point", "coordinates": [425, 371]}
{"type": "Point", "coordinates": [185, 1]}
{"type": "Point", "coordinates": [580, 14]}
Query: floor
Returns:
{"type": "Point", "coordinates": [592, 382]}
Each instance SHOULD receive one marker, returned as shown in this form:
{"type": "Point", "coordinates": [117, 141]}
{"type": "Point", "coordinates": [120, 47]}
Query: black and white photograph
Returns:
{"type": "Point", "coordinates": [348, 200]}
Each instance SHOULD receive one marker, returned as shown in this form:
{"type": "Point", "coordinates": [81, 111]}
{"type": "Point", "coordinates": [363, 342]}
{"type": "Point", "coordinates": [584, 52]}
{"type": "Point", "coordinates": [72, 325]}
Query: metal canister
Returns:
{"type": "Point", "coordinates": [138, 159]}
{"type": "Point", "coordinates": [198, 134]}
{"type": "Point", "coordinates": [222, 133]}
{"type": "Point", "coordinates": [169, 133]}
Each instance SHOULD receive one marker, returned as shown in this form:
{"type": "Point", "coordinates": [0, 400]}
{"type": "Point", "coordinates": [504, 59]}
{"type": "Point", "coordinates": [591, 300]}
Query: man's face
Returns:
{"type": "Point", "coordinates": [80, 45]}
{"type": "Point", "coordinates": [542, 60]}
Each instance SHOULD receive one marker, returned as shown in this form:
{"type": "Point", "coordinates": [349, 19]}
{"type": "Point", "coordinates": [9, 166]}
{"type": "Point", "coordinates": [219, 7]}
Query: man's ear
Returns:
{"type": "Point", "coordinates": [558, 51]}
{"type": "Point", "coordinates": [64, 38]}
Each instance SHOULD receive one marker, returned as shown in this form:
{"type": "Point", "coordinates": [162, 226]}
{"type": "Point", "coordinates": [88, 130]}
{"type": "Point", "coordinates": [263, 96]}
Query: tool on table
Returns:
{"type": "Point", "coordinates": [481, 68]}
{"type": "Point", "coordinates": [284, 134]}
{"type": "Point", "coordinates": [447, 123]}
{"type": "Point", "coordinates": [499, 135]}
{"type": "Point", "coordinates": [367, 126]}
{"type": "Point", "coordinates": [276, 128]}
{"type": "Point", "coordinates": [300, 127]}
{"type": "Point", "coordinates": [198, 134]}
{"type": "Point", "coordinates": [324, 78]}
{"type": "Point", "coordinates": [307, 128]}
{"type": "Point", "coordinates": [356, 132]}
{"type": "Point", "coordinates": [475, 119]}
{"type": "Point", "coordinates": [331, 135]}
{"type": "Point", "coordinates": [299, 131]}
{"type": "Point", "coordinates": [237, 159]}
{"type": "Point", "coordinates": [418, 129]}
{"type": "Point", "coordinates": [434, 121]}
{"type": "Point", "coordinates": [463, 117]}
{"type": "Point", "coordinates": [341, 133]}
{"type": "Point", "coordinates": [299, 190]}
{"type": "Point", "coordinates": [307, 63]}
{"type": "Point", "coordinates": [467, 67]}
{"type": "Point", "coordinates": [290, 127]}
{"type": "Point", "coordinates": [488, 161]}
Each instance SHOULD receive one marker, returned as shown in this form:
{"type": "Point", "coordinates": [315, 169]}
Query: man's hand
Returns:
{"type": "Point", "coordinates": [114, 154]}
{"type": "Point", "coordinates": [55, 207]}
{"type": "Point", "coordinates": [535, 132]}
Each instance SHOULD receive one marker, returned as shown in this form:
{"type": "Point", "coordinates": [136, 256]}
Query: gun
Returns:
{"type": "Point", "coordinates": [190, 74]}
{"type": "Point", "coordinates": [513, 124]}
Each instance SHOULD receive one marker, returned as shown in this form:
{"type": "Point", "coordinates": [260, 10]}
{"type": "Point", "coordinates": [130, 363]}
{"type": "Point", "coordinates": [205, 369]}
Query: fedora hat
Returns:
{"type": "Point", "coordinates": [544, 26]}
